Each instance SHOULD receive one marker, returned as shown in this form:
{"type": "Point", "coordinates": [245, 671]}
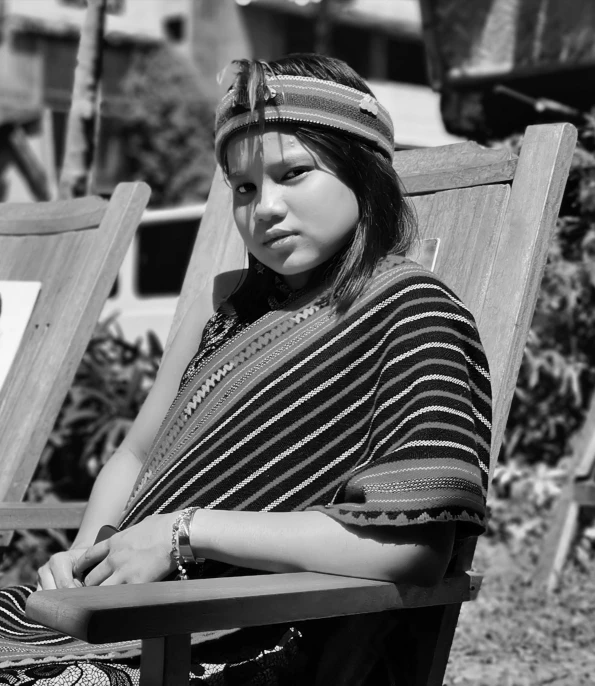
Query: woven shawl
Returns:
{"type": "Point", "coordinates": [381, 416]}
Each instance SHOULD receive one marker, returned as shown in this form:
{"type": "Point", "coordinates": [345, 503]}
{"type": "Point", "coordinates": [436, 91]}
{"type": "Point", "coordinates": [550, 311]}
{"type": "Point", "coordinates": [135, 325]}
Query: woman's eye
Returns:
{"type": "Point", "coordinates": [294, 173]}
{"type": "Point", "coordinates": [244, 188]}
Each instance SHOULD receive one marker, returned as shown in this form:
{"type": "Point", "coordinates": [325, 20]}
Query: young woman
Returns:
{"type": "Point", "coordinates": [335, 417]}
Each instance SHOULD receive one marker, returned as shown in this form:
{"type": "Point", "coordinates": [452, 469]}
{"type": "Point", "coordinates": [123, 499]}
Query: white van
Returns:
{"type": "Point", "coordinates": [146, 291]}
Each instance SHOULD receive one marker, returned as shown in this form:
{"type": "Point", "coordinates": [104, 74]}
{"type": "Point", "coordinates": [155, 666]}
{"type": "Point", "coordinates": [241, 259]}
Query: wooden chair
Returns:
{"type": "Point", "coordinates": [577, 496]}
{"type": "Point", "coordinates": [74, 248]}
{"type": "Point", "coordinates": [494, 236]}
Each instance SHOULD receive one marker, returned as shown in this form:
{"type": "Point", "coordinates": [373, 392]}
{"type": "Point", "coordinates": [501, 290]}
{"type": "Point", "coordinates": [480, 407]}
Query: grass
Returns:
{"type": "Point", "coordinates": [516, 635]}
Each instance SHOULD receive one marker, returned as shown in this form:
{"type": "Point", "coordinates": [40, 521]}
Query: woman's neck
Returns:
{"type": "Point", "coordinates": [297, 281]}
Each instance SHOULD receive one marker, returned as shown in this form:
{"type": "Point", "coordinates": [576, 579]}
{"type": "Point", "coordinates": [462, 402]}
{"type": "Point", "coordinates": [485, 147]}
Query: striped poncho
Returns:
{"type": "Point", "coordinates": [381, 416]}
{"type": "Point", "coordinates": [378, 417]}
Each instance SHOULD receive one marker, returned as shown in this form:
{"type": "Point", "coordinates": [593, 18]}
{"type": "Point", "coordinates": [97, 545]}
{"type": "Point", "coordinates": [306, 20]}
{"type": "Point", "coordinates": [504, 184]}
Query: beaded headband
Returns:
{"type": "Point", "coordinates": [301, 99]}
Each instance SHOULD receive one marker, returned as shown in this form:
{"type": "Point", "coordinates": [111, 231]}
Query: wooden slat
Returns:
{"type": "Point", "coordinates": [418, 184]}
{"type": "Point", "coordinates": [562, 529]}
{"type": "Point", "coordinates": [448, 158]}
{"type": "Point", "coordinates": [43, 218]}
{"type": "Point", "coordinates": [41, 515]}
{"type": "Point", "coordinates": [558, 542]}
{"type": "Point", "coordinates": [475, 217]}
{"type": "Point", "coordinates": [164, 661]}
{"type": "Point", "coordinates": [77, 270]}
{"type": "Point", "coordinates": [447, 167]}
{"type": "Point", "coordinates": [513, 283]}
{"type": "Point", "coordinates": [218, 249]}
{"type": "Point", "coordinates": [119, 613]}
{"type": "Point", "coordinates": [585, 446]}
{"type": "Point", "coordinates": [434, 629]}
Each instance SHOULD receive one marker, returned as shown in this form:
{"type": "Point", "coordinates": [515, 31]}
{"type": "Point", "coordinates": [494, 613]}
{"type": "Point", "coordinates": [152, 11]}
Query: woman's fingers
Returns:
{"type": "Point", "coordinates": [45, 579]}
{"type": "Point", "coordinates": [101, 575]}
{"type": "Point", "coordinates": [91, 557]}
{"type": "Point", "coordinates": [57, 572]}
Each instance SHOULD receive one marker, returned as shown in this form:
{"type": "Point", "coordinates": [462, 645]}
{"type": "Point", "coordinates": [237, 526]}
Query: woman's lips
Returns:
{"type": "Point", "coordinates": [277, 239]}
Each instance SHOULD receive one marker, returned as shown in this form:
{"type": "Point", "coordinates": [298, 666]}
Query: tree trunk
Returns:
{"type": "Point", "coordinates": [82, 118]}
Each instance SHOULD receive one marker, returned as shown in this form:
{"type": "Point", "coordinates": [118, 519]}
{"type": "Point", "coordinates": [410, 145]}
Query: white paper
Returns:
{"type": "Point", "coordinates": [18, 300]}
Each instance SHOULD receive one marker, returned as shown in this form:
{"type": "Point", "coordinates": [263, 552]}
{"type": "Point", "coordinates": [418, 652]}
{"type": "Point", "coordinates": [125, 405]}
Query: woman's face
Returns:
{"type": "Point", "coordinates": [290, 207]}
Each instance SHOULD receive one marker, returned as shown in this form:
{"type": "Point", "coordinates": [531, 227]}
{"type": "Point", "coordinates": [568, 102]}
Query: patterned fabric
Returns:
{"type": "Point", "coordinates": [308, 100]}
{"type": "Point", "coordinates": [378, 417]}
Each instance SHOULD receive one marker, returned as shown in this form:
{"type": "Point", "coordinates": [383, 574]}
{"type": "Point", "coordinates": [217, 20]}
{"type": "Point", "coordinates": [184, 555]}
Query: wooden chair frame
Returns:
{"type": "Point", "coordinates": [495, 239]}
{"type": "Point", "coordinates": [74, 248]}
{"type": "Point", "coordinates": [577, 497]}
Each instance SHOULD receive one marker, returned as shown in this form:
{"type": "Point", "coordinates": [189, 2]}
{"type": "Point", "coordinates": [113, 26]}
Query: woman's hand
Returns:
{"type": "Point", "coordinates": [57, 572]}
{"type": "Point", "coordinates": [134, 556]}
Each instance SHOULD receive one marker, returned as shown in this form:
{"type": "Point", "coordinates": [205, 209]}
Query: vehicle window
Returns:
{"type": "Point", "coordinates": [163, 255]}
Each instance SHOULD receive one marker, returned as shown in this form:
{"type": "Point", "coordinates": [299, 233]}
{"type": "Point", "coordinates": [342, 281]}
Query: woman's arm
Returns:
{"type": "Point", "coordinates": [114, 483]}
{"type": "Point", "coordinates": [110, 493]}
{"type": "Point", "coordinates": [275, 542]}
{"type": "Point", "coordinates": [312, 541]}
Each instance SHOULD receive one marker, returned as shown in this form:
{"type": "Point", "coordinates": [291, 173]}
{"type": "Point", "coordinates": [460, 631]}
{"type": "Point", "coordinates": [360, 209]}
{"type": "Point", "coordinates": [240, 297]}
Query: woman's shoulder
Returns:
{"type": "Point", "coordinates": [396, 274]}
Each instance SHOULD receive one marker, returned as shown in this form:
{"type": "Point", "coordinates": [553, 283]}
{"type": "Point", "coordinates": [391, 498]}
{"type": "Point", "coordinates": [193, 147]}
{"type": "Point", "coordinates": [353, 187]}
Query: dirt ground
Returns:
{"type": "Point", "coordinates": [515, 635]}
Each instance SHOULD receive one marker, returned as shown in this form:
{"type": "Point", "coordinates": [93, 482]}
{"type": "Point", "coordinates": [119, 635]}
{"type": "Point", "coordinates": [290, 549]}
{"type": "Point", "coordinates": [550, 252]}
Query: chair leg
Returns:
{"type": "Point", "coordinates": [165, 661]}
{"type": "Point", "coordinates": [434, 630]}
{"type": "Point", "coordinates": [558, 541]}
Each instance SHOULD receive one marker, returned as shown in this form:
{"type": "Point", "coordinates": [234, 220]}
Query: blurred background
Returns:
{"type": "Point", "coordinates": [448, 71]}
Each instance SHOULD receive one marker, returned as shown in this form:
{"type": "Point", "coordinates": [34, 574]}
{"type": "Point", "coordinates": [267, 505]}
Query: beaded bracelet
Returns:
{"type": "Point", "coordinates": [181, 551]}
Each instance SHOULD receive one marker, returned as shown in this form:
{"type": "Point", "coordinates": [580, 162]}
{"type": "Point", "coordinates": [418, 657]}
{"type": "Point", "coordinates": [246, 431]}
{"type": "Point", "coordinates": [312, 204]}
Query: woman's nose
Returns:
{"type": "Point", "coordinates": [270, 204]}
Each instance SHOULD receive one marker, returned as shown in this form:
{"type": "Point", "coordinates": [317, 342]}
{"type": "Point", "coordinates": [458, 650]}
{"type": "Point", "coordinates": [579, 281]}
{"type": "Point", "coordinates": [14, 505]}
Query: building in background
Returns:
{"type": "Point", "coordinates": [381, 39]}
{"type": "Point", "coordinates": [38, 47]}
{"type": "Point", "coordinates": [508, 64]}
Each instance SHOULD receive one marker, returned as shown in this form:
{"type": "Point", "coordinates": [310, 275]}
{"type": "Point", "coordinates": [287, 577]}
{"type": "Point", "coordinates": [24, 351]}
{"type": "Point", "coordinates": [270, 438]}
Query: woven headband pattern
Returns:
{"type": "Point", "coordinates": [301, 99]}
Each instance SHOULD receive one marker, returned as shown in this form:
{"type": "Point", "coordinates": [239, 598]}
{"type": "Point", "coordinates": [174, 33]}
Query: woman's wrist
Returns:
{"type": "Point", "coordinates": [202, 525]}
{"type": "Point", "coordinates": [182, 553]}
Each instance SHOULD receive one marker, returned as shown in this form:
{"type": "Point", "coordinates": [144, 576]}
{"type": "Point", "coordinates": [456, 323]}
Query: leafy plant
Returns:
{"type": "Point", "coordinates": [557, 375]}
{"type": "Point", "coordinates": [109, 388]}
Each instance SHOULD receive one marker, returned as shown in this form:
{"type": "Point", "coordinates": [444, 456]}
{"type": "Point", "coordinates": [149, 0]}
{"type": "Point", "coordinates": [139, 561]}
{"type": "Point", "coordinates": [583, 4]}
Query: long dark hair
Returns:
{"type": "Point", "coordinates": [386, 223]}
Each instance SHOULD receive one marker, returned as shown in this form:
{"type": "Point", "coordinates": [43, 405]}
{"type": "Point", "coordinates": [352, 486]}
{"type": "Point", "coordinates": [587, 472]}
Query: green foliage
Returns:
{"type": "Point", "coordinates": [109, 389]}
{"type": "Point", "coordinates": [168, 132]}
{"type": "Point", "coordinates": [557, 376]}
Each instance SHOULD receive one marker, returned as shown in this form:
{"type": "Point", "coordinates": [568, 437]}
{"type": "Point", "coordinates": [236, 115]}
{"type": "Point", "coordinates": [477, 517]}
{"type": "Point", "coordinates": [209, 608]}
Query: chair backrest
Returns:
{"type": "Point", "coordinates": [493, 213]}
{"type": "Point", "coordinates": [74, 248]}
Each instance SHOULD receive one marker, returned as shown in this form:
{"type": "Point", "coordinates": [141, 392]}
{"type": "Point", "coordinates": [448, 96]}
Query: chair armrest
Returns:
{"type": "Point", "coordinates": [120, 613]}
{"type": "Point", "coordinates": [41, 515]}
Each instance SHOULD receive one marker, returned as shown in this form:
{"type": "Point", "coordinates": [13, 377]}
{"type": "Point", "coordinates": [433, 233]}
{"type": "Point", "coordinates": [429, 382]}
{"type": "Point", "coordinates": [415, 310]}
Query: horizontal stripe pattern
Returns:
{"type": "Point", "coordinates": [312, 101]}
{"type": "Point", "coordinates": [382, 416]}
